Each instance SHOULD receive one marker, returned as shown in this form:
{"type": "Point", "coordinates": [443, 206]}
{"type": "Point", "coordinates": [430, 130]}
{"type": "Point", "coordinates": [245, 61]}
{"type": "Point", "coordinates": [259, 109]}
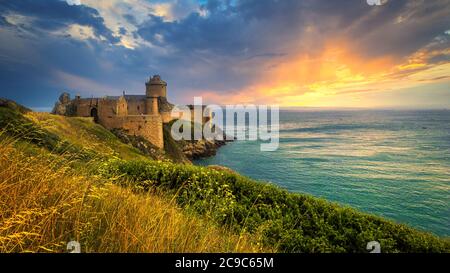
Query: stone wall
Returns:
{"type": "Point", "coordinates": [117, 113]}
{"type": "Point", "coordinates": [122, 107]}
{"type": "Point", "coordinates": [83, 106]}
{"type": "Point", "coordinates": [136, 107]}
{"type": "Point", "coordinates": [156, 91]}
{"type": "Point", "coordinates": [107, 107]}
{"type": "Point", "coordinates": [166, 117]}
{"type": "Point", "coordinates": [147, 126]}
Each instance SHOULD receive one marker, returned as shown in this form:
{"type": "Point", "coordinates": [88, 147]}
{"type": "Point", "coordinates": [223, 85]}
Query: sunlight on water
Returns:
{"type": "Point", "coordinates": [391, 163]}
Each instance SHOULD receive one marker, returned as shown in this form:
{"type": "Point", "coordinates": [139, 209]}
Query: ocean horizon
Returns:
{"type": "Point", "coordinates": [392, 163]}
{"type": "Point", "coordinates": [48, 109]}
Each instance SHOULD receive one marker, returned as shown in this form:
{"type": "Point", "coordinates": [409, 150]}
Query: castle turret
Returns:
{"type": "Point", "coordinates": [156, 87]}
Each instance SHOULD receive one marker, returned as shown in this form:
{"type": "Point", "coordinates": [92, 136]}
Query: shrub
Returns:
{"type": "Point", "coordinates": [292, 222]}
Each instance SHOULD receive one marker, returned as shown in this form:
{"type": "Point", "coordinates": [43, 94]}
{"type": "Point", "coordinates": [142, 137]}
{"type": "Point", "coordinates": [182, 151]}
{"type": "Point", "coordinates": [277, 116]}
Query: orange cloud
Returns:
{"type": "Point", "coordinates": [338, 76]}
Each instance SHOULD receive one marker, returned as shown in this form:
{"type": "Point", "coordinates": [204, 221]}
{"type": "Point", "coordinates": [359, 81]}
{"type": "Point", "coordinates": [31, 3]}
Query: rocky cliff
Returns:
{"type": "Point", "coordinates": [201, 148]}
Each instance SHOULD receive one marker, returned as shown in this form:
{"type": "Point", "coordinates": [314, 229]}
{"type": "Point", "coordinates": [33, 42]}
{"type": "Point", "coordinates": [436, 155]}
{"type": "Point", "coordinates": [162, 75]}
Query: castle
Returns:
{"type": "Point", "coordinates": [140, 115]}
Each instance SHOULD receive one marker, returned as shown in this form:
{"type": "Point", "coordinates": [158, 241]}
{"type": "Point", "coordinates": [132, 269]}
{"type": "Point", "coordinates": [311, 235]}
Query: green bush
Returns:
{"type": "Point", "coordinates": [291, 222]}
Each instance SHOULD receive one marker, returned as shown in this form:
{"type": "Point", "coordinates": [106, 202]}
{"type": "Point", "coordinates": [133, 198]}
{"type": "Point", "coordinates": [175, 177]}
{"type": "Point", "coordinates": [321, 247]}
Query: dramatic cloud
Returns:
{"type": "Point", "coordinates": [292, 52]}
{"type": "Point", "coordinates": [47, 15]}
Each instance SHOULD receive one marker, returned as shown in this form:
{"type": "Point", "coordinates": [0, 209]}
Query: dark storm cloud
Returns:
{"type": "Point", "coordinates": [3, 21]}
{"type": "Point", "coordinates": [55, 14]}
{"type": "Point", "coordinates": [122, 31]}
{"type": "Point", "coordinates": [441, 58]}
{"type": "Point", "coordinates": [227, 30]}
{"type": "Point", "coordinates": [33, 58]}
{"type": "Point", "coordinates": [130, 18]}
{"type": "Point", "coordinates": [34, 78]}
{"type": "Point", "coordinates": [399, 27]}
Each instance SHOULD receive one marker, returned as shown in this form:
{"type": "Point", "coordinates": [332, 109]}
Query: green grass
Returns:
{"type": "Point", "coordinates": [51, 193]}
{"type": "Point", "coordinates": [291, 222]}
{"type": "Point", "coordinates": [16, 125]}
{"type": "Point", "coordinates": [44, 204]}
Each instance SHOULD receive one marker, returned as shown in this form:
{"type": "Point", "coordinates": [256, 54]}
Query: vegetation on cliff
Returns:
{"type": "Point", "coordinates": [290, 222]}
{"type": "Point", "coordinates": [44, 204]}
{"type": "Point", "coordinates": [65, 179]}
{"type": "Point", "coordinates": [50, 194]}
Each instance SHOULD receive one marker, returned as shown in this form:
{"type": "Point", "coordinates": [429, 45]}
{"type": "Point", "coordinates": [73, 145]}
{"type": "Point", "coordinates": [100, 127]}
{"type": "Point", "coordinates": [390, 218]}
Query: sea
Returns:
{"type": "Point", "coordinates": [391, 163]}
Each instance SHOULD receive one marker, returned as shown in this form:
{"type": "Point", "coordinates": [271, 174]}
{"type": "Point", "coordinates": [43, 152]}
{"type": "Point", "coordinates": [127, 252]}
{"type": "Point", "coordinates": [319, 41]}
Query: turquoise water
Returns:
{"type": "Point", "coordinates": [394, 164]}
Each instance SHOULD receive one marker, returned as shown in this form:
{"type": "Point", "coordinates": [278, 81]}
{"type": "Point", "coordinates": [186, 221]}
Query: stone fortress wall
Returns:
{"type": "Point", "coordinates": [140, 115]}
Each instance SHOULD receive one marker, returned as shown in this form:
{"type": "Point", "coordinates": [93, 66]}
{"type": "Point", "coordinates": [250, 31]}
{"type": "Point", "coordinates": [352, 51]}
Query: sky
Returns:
{"type": "Point", "coordinates": [294, 53]}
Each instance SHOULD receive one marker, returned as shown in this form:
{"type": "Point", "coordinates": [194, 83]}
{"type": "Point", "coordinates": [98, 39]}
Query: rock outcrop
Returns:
{"type": "Point", "coordinates": [201, 148]}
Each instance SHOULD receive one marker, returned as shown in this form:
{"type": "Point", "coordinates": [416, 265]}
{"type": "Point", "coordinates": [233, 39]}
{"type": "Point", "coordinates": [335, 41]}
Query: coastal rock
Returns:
{"type": "Point", "coordinates": [201, 148]}
{"type": "Point", "coordinates": [64, 106]}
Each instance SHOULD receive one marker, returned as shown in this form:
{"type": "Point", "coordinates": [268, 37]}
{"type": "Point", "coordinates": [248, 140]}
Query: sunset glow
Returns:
{"type": "Point", "coordinates": [339, 77]}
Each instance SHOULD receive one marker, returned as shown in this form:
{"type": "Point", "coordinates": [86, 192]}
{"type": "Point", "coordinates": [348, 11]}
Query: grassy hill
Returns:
{"type": "Point", "coordinates": [65, 179]}
{"type": "Point", "coordinates": [51, 193]}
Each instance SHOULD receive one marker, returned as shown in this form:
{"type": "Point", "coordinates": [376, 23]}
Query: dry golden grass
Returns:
{"type": "Point", "coordinates": [42, 207]}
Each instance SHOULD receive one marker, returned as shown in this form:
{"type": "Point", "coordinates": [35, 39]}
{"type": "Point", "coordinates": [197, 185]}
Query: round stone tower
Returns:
{"type": "Point", "coordinates": [156, 87]}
